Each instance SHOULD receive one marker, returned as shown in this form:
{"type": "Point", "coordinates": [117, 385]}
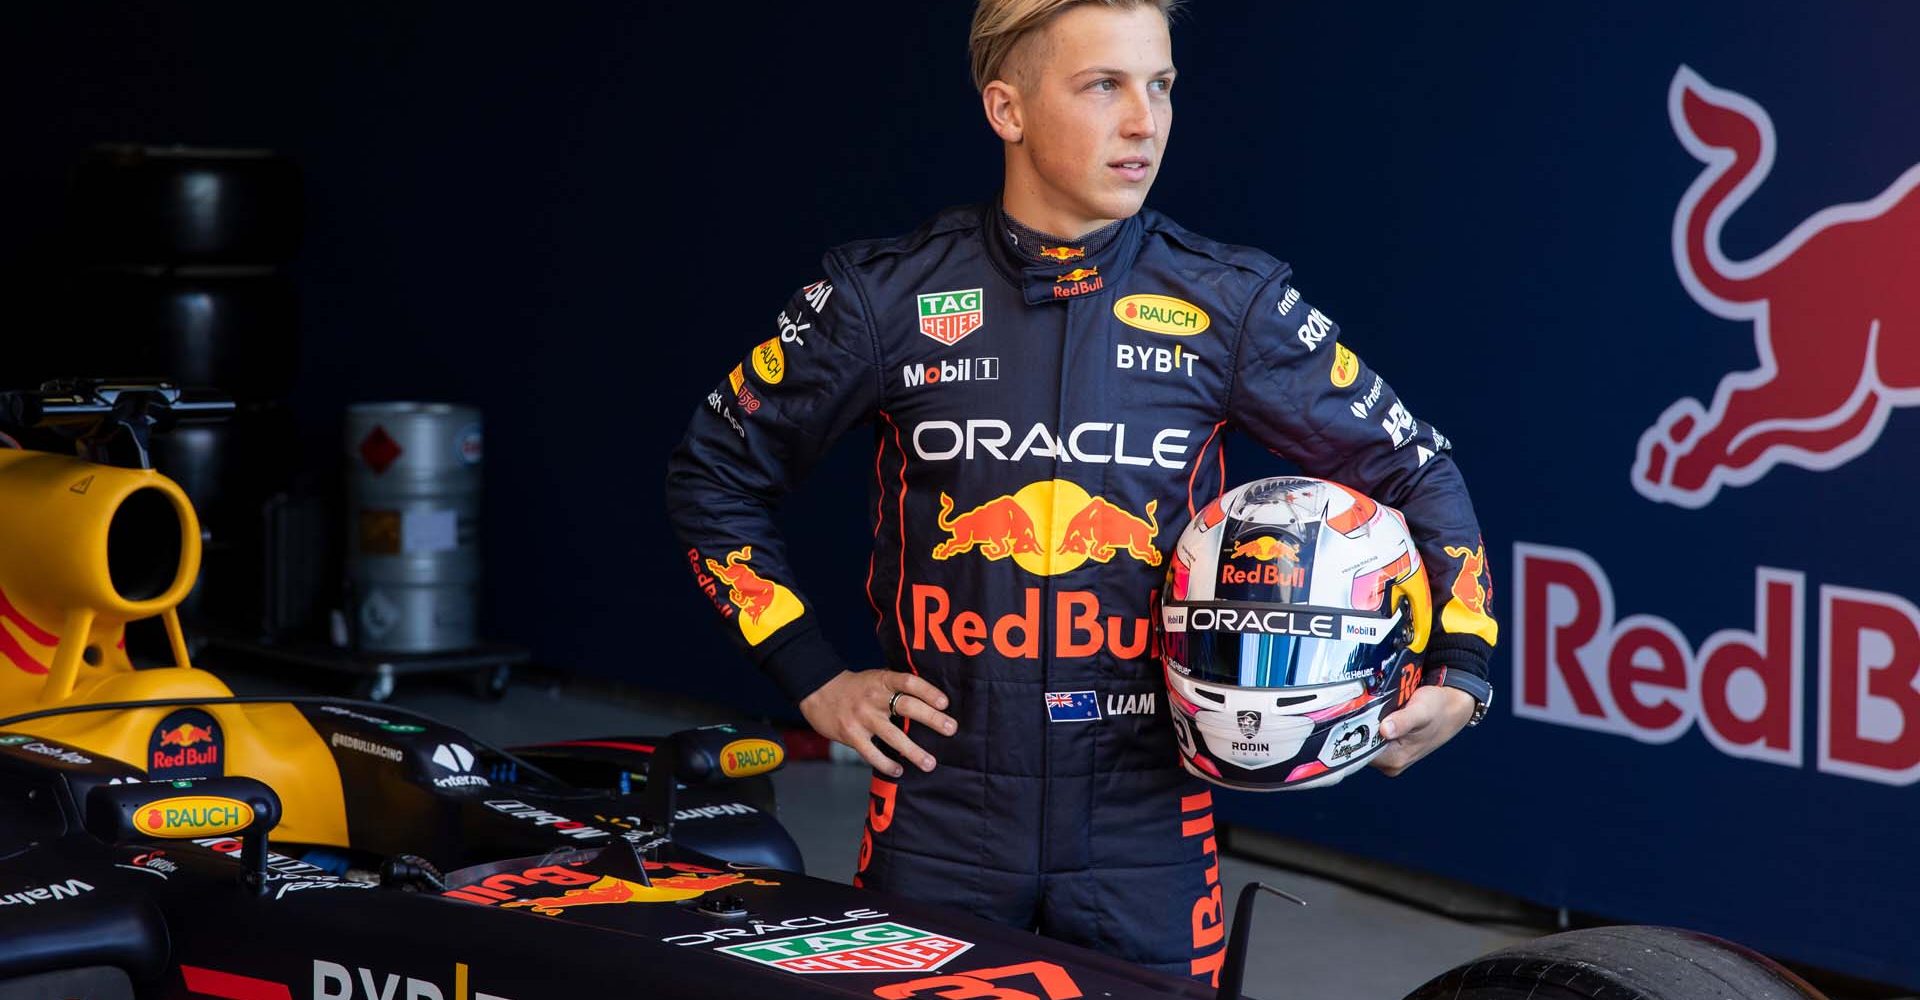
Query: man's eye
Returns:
{"type": "Point", "coordinates": [1104, 85]}
{"type": "Point", "coordinates": [1163, 86]}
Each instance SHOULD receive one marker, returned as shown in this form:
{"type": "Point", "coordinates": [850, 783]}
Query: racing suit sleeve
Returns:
{"type": "Point", "coordinates": [1308, 397]}
{"type": "Point", "coordinates": [751, 440]}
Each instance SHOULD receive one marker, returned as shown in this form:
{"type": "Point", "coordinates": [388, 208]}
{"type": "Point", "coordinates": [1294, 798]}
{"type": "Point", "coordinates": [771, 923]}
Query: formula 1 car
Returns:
{"type": "Point", "coordinates": [162, 838]}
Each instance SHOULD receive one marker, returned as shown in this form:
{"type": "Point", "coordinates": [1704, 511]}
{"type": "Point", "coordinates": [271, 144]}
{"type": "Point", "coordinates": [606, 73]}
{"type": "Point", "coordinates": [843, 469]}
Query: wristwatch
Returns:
{"type": "Point", "coordinates": [1479, 688]}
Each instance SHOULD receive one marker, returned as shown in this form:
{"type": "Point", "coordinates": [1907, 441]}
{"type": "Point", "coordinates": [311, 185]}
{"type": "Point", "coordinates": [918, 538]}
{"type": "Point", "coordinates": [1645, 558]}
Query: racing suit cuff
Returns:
{"type": "Point", "coordinates": [1468, 654]}
{"type": "Point", "coordinates": [802, 664]}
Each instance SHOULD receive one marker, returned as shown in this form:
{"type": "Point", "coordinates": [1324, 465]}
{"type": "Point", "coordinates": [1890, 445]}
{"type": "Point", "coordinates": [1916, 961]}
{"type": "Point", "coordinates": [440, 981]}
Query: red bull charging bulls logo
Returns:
{"type": "Point", "coordinates": [186, 744]}
{"type": "Point", "coordinates": [764, 605]}
{"type": "Point", "coordinates": [1046, 528]}
{"type": "Point", "coordinates": [1833, 307]}
{"type": "Point", "coordinates": [532, 888]}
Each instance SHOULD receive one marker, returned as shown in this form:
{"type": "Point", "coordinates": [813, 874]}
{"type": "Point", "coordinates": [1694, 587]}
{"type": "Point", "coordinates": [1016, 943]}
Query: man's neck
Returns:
{"type": "Point", "coordinates": [1064, 225]}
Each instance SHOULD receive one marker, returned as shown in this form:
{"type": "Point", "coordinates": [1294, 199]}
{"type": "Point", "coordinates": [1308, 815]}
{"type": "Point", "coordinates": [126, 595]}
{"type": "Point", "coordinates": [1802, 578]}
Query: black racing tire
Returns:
{"type": "Point", "coordinates": [93, 983]}
{"type": "Point", "coordinates": [1620, 963]}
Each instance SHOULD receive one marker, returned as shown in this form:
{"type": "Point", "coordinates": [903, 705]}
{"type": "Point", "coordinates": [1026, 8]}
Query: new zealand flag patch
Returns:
{"type": "Point", "coordinates": [1072, 706]}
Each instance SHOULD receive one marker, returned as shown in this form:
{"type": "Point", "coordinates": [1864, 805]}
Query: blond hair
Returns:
{"type": "Point", "coordinates": [1000, 25]}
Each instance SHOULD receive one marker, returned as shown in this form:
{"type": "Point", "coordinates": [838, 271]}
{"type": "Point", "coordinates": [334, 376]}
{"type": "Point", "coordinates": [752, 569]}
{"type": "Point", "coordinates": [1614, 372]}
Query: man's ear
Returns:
{"type": "Point", "coordinates": [1001, 101]}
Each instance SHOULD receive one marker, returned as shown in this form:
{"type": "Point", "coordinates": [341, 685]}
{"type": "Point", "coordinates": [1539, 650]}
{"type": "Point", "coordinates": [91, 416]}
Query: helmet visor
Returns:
{"type": "Point", "coordinates": [1265, 647]}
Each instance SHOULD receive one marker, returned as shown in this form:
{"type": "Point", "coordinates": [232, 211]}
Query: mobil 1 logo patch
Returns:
{"type": "Point", "coordinates": [950, 371]}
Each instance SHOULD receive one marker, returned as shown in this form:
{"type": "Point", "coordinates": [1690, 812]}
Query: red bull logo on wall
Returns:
{"type": "Point", "coordinates": [1829, 306]}
{"type": "Point", "coordinates": [1834, 307]}
{"type": "Point", "coordinates": [1576, 663]}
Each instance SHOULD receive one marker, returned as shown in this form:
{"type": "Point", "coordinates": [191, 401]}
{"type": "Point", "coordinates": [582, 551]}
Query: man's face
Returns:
{"type": "Point", "coordinates": [1095, 96]}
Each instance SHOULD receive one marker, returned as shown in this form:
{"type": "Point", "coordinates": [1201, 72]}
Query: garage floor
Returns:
{"type": "Point", "coordinates": [1345, 944]}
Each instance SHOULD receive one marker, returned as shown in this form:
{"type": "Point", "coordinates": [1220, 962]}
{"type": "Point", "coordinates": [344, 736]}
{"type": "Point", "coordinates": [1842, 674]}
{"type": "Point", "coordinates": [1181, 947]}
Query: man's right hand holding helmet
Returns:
{"type": "Point", "coordinates": [858, 705]}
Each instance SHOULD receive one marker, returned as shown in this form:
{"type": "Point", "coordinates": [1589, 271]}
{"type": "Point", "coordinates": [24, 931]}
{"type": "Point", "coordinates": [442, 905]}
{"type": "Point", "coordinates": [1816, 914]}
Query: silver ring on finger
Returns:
{"type": "Point", "coordinates": [891, 712]}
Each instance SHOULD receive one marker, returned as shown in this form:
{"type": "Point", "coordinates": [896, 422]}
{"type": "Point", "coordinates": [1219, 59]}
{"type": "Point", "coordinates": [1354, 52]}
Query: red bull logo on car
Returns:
{"type": "Point", "coordinates": [186, 744]}
{"type": "Point", "coordinates": [532, 888]}
{"type": "Point", "coordinates": [1833, 306]}
{"type": "Point", "coordinates": [764, 605]}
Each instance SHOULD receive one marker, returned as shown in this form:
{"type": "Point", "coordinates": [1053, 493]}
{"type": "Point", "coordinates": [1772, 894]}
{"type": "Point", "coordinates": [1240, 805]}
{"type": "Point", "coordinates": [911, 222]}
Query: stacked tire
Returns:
{"type": "Point", "coordinates": [180, 260]}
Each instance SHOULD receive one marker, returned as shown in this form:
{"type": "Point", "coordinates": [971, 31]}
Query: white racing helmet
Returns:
{"type": "Point", "coordinates": [1293, 617]}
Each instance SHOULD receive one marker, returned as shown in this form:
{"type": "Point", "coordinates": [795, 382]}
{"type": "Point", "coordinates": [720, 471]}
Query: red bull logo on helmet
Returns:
{"type": "Point", "coordinates": [1833, 308]}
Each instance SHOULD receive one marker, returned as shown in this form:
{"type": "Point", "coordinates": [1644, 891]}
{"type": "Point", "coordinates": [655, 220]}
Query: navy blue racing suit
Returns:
{"type": "Point", "coordinates": [1044, 431]}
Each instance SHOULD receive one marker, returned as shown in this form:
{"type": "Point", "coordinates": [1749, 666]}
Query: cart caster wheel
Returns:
{"type": "Point", "coordinates": [379, 687]}
{"type": "Point", "coordinates": [492, 684]}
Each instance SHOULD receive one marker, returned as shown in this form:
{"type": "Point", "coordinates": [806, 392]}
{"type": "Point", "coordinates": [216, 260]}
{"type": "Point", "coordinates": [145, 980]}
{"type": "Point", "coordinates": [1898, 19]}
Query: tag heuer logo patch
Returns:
{"type": "Point", "coordinates": [1249, 723]}
{"type": "Point", "coordinates": [872, 948]}
{"type": "Point", "coordinates": [949, 316]}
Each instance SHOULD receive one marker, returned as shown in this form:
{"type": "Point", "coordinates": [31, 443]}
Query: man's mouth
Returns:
{"type": "Point", "coordinates": [1132, 168]}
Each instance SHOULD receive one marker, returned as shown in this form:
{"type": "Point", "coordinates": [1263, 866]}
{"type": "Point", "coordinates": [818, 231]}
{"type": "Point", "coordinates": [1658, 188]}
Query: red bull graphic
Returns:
{"type": "Point", "coordinates": [1832, 307]}
{"type": "Point", "coordinates": [1465, 612]}
{"type": "Point", "coordinates": [1063, 254]}
{"type": "Point", "coordinates": [1746, 689]}
{"type": "Point", "coordinates": [1266, 548]}
{"type": "Point", "coordinates": [674, 882]}
{"type": "Point", "coordinates": [998, 528]}
{"type": "Point", "coordinates": [764, 605]}
{"type": "Point", "coordinates": [16, 630]}
{"type": "Point", "coordinates": [1076, 627]}
{"type": "Point", "coordinates": [1047, 528]}
{"type": "Point", "coordinates": [185, 736]}
{"type": "Point", "coordinates": [1101, 529]}
{"type": "Point", "coordinates": [1275, 563]}
{"type": "Point", "coordinates": [186, 744]}
{"type": "Point", "coordinates": [1079, 281]}
{"type": "Point", "coordinates": [1209, 910]}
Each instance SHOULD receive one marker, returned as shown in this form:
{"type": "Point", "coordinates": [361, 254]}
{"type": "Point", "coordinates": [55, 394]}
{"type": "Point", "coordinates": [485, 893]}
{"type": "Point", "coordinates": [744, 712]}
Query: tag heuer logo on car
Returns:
{"type": "Point", "coordinates": [949, 316]}
{"type": "Point", "coordinates": [869, 948]}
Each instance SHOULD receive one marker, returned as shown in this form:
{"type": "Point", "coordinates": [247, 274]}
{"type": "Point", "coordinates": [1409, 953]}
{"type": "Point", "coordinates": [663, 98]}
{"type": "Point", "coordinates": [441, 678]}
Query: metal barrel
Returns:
{"type": "Point", "coordinates": [413, 530]}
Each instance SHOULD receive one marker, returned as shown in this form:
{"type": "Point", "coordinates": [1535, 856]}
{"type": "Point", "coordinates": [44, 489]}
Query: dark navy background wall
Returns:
{"type": "Point", "coordinates": [579, 216]}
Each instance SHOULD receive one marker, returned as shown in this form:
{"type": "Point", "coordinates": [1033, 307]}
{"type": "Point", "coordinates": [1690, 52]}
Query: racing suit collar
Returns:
{"type": "Point", "coordinates": [1078, 277]}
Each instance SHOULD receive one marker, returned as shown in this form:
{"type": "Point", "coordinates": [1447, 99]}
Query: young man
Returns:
{"type": "Point", "coordinates": [1049, 377]}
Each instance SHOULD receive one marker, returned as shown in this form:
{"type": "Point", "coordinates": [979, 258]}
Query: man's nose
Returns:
{"type": "Point", "coordinates": [1139, 122]}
